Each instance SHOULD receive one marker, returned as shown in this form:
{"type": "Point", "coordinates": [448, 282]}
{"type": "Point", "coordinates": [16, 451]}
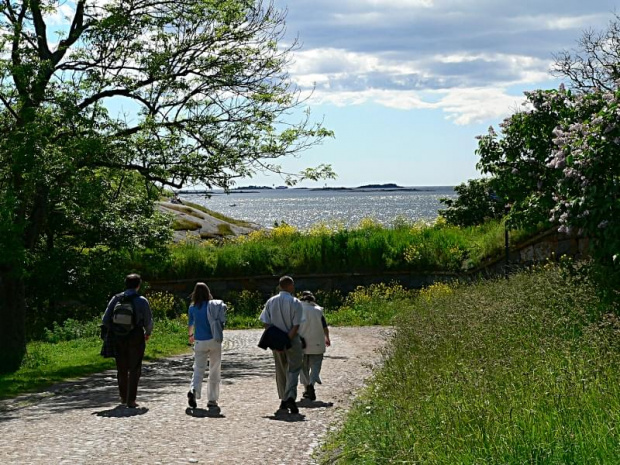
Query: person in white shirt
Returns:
{"type": "Point", "coordinates": [285, 312]}
{"type": "Point", "coordinates": [315, 338]}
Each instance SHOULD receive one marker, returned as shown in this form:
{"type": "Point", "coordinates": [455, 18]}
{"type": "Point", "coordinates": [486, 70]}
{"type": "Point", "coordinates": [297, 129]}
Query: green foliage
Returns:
{"type": "Point", "coordinates": [518, 159]}
{"type": "Point", "coordinates": [71, 329]}
{"type": "Point", "coordinates": [376, 304]}
{"type": "Point", "coordinates": [509, 371]}
{"type": "Point", "coordinates": [366, 248]}
{"type": "Point", "coordinates": [224, 229]}
{"type": "Point", "coordinates": [246, 303]}
{"type": "Point", "coordinates": [75, 177]}
{"type": "Point", "coordinates": [163, 305]}
{"type": "Point", "coordinates": [182, 224]}
{"type": "Point", "coordinates": [476, 203]}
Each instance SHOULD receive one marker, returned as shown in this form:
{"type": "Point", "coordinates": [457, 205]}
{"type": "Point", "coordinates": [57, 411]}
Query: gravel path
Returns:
{"type": "Point", "coordinates": [81, 422]}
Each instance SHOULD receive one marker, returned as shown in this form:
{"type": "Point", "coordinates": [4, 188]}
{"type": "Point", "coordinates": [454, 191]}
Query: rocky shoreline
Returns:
{"type": "Point", "coordinates": [192, 223]}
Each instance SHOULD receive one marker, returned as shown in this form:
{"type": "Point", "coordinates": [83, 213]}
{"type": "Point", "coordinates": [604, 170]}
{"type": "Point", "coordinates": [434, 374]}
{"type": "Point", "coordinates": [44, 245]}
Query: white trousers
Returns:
{"type": "Point", "coordinates": [210, 351]}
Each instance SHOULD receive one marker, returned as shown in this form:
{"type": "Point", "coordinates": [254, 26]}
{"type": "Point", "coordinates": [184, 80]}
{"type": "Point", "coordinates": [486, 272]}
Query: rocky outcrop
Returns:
{"type": "Point", "coordinates": [191, 222]}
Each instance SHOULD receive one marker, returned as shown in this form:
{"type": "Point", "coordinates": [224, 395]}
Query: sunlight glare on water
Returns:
{"type": "Point", "coordinates": [303, 208]}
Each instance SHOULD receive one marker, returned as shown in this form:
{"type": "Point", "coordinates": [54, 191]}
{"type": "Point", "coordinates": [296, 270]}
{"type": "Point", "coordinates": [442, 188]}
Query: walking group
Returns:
{"type": "Point", "coordinates": [295, 330]}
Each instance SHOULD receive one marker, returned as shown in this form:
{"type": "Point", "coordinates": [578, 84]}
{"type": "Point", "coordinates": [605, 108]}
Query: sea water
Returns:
{"type": "Point", "coordinates": [303, 208]}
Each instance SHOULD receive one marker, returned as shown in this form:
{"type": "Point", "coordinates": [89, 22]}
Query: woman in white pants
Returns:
{"type": "Point", "coordinates": [206, 320]}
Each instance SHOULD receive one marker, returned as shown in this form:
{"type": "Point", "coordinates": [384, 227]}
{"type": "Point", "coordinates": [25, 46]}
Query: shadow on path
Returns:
{"type": "Point", "coordinates": [120, 411]}
{"type": "Point", "coordinates": [204, 413]}
{"type": "Point", "coordinates": [159, 378]}
{"type": "Point", "coordinates": [286, 417]}
{"type": "Point", "coordinates": [305, 403]}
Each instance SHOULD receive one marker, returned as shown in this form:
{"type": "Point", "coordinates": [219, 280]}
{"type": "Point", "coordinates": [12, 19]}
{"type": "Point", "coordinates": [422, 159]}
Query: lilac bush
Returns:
{"type": "Point", "coordinates": [586, 153]}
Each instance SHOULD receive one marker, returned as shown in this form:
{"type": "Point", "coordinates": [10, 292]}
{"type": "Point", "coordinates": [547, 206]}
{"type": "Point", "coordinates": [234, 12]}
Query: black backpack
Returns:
{"type": "Point", "coordinates": [124, 315]}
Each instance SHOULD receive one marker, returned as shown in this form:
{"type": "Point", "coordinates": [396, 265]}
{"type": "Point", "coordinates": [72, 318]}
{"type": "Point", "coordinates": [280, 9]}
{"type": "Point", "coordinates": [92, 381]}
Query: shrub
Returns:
{"type": "Point", "coordinates": [71, 329]}
{"type": "Point", "coordinates": [163, 305]}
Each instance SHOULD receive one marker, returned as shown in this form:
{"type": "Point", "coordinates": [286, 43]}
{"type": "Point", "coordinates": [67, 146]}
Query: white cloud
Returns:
{"type": "Point", "coordinates": [410, 53]}
{"type": "Point", "coordinates": [342, 78]}
{"type": "Point", "coordinates": [461, 106]}
{"type": "Point", "coordinates": [476, 105]}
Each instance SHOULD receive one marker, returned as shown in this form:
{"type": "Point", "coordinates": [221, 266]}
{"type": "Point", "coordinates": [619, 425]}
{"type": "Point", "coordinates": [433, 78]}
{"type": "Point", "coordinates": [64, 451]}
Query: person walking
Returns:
{"type": "Point", "coordinates": [314, 334]}
{"type": "Point", "coordinates": [206, 320]}
{"type": "Point", "coordinates": [285, 312]}
{"type": "Point", "coordinates": [128, 318]}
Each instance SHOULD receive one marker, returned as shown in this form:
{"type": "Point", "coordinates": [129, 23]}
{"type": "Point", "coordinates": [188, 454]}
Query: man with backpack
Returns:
{"type": "Point", "coordinates": [129, 321]}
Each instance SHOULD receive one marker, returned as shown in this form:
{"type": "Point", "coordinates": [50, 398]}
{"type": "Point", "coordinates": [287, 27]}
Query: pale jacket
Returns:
{"type": "Point", "coordinates": [311, 329]}
{"type": "Point", "coordinates": [216, 314]}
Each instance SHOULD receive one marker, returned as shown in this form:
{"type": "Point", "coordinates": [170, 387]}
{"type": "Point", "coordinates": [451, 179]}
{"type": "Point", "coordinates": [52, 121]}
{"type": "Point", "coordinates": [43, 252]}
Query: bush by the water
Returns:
{"type": "Point", "coordinates": [511, 371]}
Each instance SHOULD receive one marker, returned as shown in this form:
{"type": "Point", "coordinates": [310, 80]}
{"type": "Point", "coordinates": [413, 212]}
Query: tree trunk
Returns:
{"type": "Point", "coordinates": [12, 322]}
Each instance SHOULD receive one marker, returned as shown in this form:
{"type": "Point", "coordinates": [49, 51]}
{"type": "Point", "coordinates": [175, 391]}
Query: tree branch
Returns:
{"type": "Point", "coordinates": [41, 30]}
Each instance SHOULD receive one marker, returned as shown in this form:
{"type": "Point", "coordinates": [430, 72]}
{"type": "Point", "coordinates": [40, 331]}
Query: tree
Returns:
{"type": "Point", "coordinates": [595, 63]}
{"type": "Point", "coordinates": [192, 91]}
{"type": "Point", "coordinates": [518, 158]}
{"type": "Point", "coordinates": [585, 154]}
{"type": "Point", "coordinates": [475, 204]}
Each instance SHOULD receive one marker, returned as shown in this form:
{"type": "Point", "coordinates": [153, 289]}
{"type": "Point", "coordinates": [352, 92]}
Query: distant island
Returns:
{"type": "Point", "coordinates": [380, 186]}
{"type": "Point", "coordinates": [390, 187]}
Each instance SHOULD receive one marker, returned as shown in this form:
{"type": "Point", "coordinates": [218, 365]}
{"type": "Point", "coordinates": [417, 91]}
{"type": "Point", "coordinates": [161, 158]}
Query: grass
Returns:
{"type": "Point", "coordinates": [224, 230]}
{"type": "Point", "coordinates": [219, 216]}
{"type": "Point", "coordinates": [182, 224]}
{"type": "Point", "coordinates": [509, 371]}
{"type": "Point", "coordinates": [187, 210]}
{"type": "Point", "coordinates": [369, 247]}
{"type": "Point", "coordinates": [47, 363]}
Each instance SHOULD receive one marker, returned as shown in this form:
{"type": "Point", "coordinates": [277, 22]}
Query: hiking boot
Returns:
{"type": "Point", "coordinates": [191, 399]}
{"type": "Point", "coordinates": [305, 394]}
{"type": "Point", "coordinates": [292, 406]}
{"type": "Point", "coordinates": [309, 393]}
{"type": "Point", "coordinates": [212, 403]}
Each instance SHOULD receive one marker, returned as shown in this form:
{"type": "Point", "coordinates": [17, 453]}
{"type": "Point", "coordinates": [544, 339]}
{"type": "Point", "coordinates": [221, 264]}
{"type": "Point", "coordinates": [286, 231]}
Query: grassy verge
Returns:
{"type": "Point", "coordinates": [48, 363]}
{"type": "Point", "coordinates": [370, 247]}
{"type": "Point", "coordinates": [511, 372]}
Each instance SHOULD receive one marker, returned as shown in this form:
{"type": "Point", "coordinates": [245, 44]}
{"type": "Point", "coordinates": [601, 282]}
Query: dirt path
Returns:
{"type": "Point", "coordinates": [81, 422]}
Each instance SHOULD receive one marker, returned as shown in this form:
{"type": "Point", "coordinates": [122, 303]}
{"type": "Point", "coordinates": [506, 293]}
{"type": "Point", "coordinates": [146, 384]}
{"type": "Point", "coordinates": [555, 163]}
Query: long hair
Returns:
{"type": "Point", "coordinates": [200, 294]}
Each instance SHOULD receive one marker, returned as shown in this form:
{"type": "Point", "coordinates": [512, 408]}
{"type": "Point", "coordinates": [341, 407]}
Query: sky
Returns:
{"type": "Point", "coordinates": [407, 85]}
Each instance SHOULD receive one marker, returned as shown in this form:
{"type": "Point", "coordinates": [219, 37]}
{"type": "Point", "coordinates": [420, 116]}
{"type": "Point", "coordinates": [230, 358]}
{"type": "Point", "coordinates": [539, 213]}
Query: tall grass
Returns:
{"type": "Point", "coordinates": [510, 372]}
{"type": "Point", "coordinates": [369, 247]}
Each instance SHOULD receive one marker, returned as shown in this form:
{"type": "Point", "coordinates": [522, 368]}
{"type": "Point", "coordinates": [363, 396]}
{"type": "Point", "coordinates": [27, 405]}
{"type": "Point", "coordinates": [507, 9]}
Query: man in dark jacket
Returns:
{"type": "Point", "coordinates": [130, 331]}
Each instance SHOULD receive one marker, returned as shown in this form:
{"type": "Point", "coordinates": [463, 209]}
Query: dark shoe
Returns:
{"type": "Point", "coordinates": [292, 406]}
{"type": "Point", "coordinates": [211, 403]}
{"type": "Point", "coordinates": [281, 409]}
{"type": "Point", "coordinates": [191, 399]}
{"type": "Point", "coordinates": [305, 394]}
{"type": "Point", "coordinates": [132, 405]}
{"type": "Point", "coordinates": [310, 393]}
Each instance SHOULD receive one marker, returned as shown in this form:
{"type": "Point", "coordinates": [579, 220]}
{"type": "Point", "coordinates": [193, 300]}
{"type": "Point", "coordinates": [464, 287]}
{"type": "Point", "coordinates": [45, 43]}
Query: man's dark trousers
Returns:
{"type": "Point", "coordinates": [129, 354]}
